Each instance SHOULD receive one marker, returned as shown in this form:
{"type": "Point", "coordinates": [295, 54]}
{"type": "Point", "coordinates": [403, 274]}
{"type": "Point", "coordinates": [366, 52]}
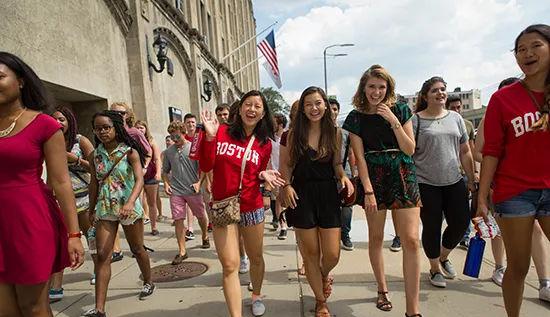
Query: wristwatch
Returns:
{"type": "Point", "coordinates": [75, 235]}
{"type": "Point", "coordinates": [396, 126]}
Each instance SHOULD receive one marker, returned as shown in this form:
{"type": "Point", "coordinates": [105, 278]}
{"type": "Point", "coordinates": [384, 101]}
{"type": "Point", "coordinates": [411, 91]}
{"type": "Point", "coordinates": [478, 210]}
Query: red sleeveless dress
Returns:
{"type": "Point", "coordinates": [33, 237]}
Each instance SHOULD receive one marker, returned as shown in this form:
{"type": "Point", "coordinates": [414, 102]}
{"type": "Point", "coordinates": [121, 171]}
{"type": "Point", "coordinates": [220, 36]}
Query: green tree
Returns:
{"type": "Point", "coordinates": [275, 100]}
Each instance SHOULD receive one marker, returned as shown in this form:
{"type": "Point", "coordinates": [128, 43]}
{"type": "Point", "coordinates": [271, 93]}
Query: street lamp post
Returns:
{"type": "Point", "coordinates": [335, 55]}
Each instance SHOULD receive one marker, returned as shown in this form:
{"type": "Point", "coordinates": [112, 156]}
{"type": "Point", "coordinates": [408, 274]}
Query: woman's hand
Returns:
{"type": "Point", "coordinates": [272, 178]}
{"type": "Point", "coordinates": [158, 177]}
{"type": "Point", "coordinates": [289, 197]}
{"type": "Point", "coordinates": [76, 252]}
{"type": "Point", "coordinates": [472, 186]}
{"type": "Point", "coordinates": [210, 123]}
{"type": "Point", "coordinates": [71, 158]}
{"type": "Point", "coordinates": [385, 112]}
{"type": "Point", "coordinates": [482, 209]}
{"type": "Point", "coordinates": [370, 203]}
{"type": "Point", "coordinates": [127, 210]}
{"type": "Point", "coordinates": [347, 184]}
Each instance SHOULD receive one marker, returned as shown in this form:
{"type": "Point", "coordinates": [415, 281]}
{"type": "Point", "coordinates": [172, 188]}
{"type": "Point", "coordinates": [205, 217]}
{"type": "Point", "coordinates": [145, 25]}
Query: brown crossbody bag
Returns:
{"type": "Point", "coordinates": [228, 211]}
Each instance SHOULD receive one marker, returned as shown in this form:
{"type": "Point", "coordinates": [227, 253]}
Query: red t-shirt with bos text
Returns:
{"type": "Point", "coordinates": [524, 154]}
{"type": "Point", "coordinates": [224, 155]}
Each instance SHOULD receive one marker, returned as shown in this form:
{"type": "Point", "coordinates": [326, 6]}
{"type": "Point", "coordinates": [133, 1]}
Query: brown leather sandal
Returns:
{"type": "Point", "coordinates": [383, 303]}
{"type": "Point", "coordinates": [321, 308]}
{"type": "Point", "coordinates": [327, 285]}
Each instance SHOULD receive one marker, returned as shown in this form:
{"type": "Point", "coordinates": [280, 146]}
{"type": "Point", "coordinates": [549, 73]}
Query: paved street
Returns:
{"type": "Point", "coordinates": [285, 293]}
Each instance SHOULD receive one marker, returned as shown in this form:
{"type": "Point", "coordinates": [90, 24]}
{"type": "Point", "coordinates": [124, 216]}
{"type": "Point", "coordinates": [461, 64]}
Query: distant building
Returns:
{"type": "Point", "coordinates": [90, 54]}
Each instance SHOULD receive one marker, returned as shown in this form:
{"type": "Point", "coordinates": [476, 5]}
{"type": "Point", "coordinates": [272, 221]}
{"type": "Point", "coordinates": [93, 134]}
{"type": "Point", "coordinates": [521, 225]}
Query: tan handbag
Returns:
{"type": "Point", "coordinates": [228, 211]}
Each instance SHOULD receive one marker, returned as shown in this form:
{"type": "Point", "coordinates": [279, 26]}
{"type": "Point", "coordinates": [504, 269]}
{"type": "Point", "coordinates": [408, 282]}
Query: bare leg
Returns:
{"type": "Point", "coordinates": [375, 222]}
{"type": "Point", "coordinates": [308, 241]}
{"type": "Point", "coordinates": [517, 235]}
{"type": "Point", "coordinates": [540, 251]}
{"type": "Point", "coordinates": [134, 236]}
{"type": "Point", "coordinates": [145, 205]}
{"type": "Point", "coordinates": [497, 246]}
{"type": "Point", "coordinates": [407, 225]}
{"type": "Point", "coordinates": [253, 237]}
{"type": "Point", "coordinates": [105, 235]}
{"type": "Point", "coordinates": [159, 203]}
{"type": "Point", "coordinates": [226, 240]}
{"type": "Point", "coordinates": [151, 194]}
{"type": "Point", "coordinates": [33, 300]}
{"type": "Point", "coordinates": [8, 301]}
{"type": "Point", "coordinates": [190, 219]}
{"type": "Point", "coordinates": [180, 235]}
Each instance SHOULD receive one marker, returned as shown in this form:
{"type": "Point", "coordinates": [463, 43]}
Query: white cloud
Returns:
{"type": "Point", "coordinates": [467, 42]}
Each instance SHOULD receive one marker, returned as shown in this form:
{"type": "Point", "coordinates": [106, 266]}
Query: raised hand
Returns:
{"type": "Point", "coordinates": [272, 178]}
{"type": "Point", "coordinates": [210, 123]}
{"type": "Point", "coordinates": [385, 112]}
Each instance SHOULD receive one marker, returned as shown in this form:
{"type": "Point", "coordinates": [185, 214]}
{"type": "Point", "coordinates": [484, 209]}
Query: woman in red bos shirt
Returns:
{"type": "Point", "coordinates": [516, 155]}
{"type": "Point", "coordinates": [222, 153]}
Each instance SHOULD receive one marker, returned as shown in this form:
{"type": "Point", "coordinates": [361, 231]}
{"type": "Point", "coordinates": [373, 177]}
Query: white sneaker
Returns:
{"type": "Point", "coordinates": [498, 274]}
{"type": "Point", "coordinates": [258, 307]}
{"type": "Point", "coordinates": [244, 266]}
{"type": "Point", "coordinates": [544, 294]}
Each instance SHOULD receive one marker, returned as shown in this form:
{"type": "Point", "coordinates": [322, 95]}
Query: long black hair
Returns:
{"type": "Point", "coordinates": [72, 128]}
{"type": "Point", "coordinates": [120, 133]}
{"type": "Point", "coordinates": [33, 94]}
{"type": "Point", "coordinates": [264, 128]}
{"type": "Point", "coordinates": [544, 31]}
{"type": "Point", "coordinates": [421, 101]}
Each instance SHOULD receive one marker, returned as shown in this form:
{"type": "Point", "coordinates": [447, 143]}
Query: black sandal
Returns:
{"type": "Point", "coordinates": [383, 303]}
{"type": "Point", "coordinates": [415, 315]}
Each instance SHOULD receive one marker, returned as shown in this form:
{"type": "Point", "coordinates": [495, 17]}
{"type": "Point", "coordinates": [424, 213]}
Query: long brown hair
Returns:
{"type": "Point", "coordinates": [544, 31]}
{"type": "Point", "coordinates": [360, 101]}
{"type": "Point", "coordinates": [422, 98]}
{"type": "Point", "coordinates": [147, 133]}
{"type": "Point", "coordinates": [301, 126]}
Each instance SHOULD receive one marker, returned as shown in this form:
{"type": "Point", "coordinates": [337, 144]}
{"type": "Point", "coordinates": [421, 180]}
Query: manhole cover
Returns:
{"type": "Point", "coordinates": [171, 273]}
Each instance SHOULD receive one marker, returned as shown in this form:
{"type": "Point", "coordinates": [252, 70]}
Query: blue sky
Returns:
{"type": "Point", "coordinates": [466, 42]}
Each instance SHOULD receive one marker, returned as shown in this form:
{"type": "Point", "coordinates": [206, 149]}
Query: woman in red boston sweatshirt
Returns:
{"type": "Point", "coordinates": [222, 153]}
{"type": "Point", "coordinates": [516, 158]}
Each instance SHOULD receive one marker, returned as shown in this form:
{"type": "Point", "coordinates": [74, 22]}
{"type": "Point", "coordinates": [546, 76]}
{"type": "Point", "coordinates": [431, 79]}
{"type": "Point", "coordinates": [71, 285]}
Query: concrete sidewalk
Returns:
{"type": "Point", "coordinates": [286, 294]}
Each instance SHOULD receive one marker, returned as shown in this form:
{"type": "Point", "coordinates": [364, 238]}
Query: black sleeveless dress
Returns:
{"type": "Point", "coordinates": [315, 183]}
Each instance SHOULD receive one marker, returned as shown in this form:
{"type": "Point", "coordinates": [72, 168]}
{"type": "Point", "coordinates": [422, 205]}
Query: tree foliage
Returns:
{"type": "Point", "coordinates": [275, 100]}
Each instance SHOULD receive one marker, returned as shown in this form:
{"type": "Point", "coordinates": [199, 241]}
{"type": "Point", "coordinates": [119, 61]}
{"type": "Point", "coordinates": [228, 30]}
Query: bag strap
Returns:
{"type": "Point", "coordinates": [346, 152]}
{"type": "Point", "coordinates": [114, 165]}
{"type": "Point", "coordinates": [416, 133]}
{"type": "Point", "coordinates": [77, 174]}
{"type": "Point", "coordinates": [243, 162]}
{"type": "Point", "coordinates": [535, 102]}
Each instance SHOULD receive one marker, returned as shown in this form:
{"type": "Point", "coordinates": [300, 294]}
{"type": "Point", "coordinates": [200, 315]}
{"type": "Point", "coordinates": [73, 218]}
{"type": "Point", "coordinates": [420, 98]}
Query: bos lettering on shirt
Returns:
{"type": "Point", "coordinates": [523, 124]}
{"type": "Point", "coordinates": [229, 149]}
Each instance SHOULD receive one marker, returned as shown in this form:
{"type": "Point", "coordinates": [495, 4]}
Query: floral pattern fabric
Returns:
{"type": "Point", "coordinates": [115, 191]}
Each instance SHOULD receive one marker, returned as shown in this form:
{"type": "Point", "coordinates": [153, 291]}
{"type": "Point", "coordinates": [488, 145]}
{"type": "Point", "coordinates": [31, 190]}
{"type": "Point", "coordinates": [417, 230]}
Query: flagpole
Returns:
{"type": "Point", "coordinates": [246, 42]}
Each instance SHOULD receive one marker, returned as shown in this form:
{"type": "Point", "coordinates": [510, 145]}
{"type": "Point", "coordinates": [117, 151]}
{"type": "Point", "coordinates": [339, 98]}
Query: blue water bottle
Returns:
{"type": "Point", "coordinates": [472, 266]}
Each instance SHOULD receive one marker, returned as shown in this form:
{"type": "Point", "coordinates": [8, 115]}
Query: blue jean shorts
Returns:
{"type": "Point", "coordinates": [532, 202]}
{"type": "Point", "coordinates": [255, 217]}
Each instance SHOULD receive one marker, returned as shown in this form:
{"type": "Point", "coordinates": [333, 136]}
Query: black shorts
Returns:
{"type": "Point", "coordinates": [318, 206]}
{"type": "Point", "coordinates": [150, 181]}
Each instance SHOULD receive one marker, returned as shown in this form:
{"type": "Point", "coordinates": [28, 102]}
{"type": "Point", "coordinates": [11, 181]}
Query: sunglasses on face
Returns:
{"type": "Point", "coordinates": [175, 137]}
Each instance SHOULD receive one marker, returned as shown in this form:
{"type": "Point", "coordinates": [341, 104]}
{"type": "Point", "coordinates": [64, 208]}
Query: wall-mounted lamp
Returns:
{"type": "Point", "coordinates": [161, 45]}
{"type": "Point", "coordinates": [207, 89]}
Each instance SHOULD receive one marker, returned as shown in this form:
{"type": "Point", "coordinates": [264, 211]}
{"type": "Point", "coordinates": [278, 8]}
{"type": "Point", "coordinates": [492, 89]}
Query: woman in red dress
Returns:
{"type": "Point", "coordinates": [34, 242]}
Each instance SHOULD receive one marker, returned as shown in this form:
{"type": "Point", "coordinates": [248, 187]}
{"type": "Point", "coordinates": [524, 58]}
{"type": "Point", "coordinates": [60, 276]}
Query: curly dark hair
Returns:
{"type": "Point", "coordinates": [120, 133]}
{"type": "Point", "coordinates": [72, 127]}
{"type": "Point", "coordinates": [33, 94]}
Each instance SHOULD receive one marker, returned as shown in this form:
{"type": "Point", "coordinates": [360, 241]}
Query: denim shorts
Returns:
{"type": "Point", "coordinates": [252, 218]}
{"type": "Point", "coordinates": [532, 202]}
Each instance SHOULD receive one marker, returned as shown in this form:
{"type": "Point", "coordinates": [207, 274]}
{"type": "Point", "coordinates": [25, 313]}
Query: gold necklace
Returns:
{"type": "Point", "coordinates": [8, 130]}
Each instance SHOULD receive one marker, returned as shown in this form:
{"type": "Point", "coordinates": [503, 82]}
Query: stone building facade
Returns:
{"type": "Point", "coordinates": [91, 53]}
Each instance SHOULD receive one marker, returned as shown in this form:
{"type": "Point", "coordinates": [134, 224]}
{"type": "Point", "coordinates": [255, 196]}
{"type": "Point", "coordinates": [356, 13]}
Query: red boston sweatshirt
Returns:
{"type": "Point", "coordinates": [524, 155]}
{"type": "Point", "coordinates": [224, 155]}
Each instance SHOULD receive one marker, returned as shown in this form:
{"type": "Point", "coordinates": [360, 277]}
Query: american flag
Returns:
{"type": "Point", "coordinates": [267, 47]}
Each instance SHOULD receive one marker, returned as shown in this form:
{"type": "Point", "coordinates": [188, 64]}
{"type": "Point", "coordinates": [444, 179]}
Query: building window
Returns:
{"type": "Point", "coordinates": [179, 5]}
